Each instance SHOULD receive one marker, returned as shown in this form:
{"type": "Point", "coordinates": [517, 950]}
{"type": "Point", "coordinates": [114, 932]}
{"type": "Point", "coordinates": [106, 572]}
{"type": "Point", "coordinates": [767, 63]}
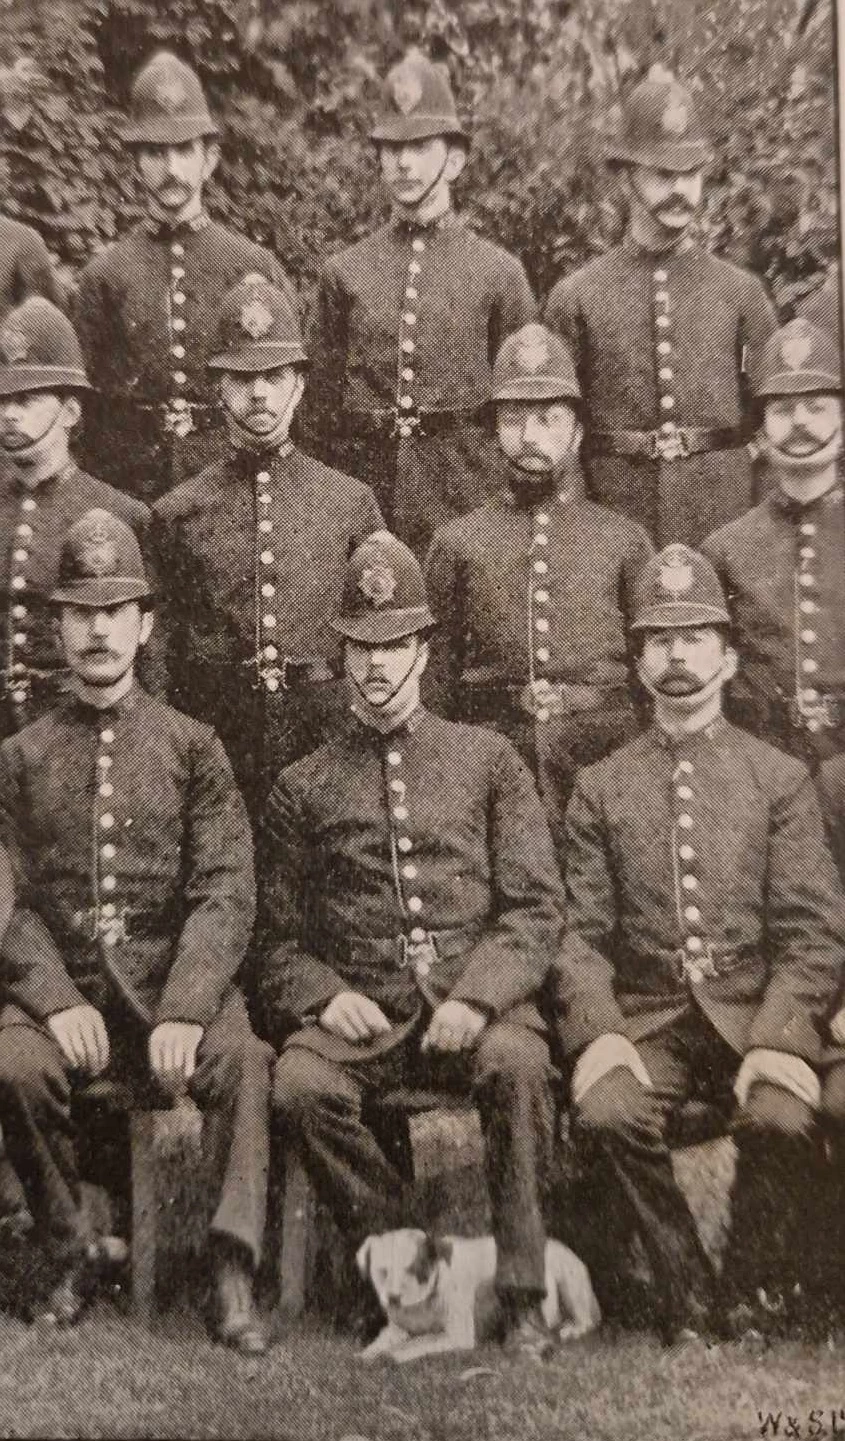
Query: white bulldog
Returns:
{"type": "Point", "coordinates": [438, 1294]}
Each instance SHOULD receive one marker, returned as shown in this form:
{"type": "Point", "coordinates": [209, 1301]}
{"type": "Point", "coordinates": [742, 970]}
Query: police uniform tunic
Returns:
{"type": "Point", "coordinates": [136, 857]}
{"type": "Point", "coordinates": [404, 331]}
{"type": "Point", "coordinates": [34, 521]}
{"type": "Point", "coordinates": [660, 345]}
{"type": "Point", "coordinates": [25, 266]}
{"type": "Point", "coordinates": [783, 567]}
{"type": "Point", "coordinates": [706, 919]}
{"type": "Point", "coordinates": [412, 867]}
{"type": "Point", "coordinates": [254, 553]}
{"type": "Point", "coordinates": [533, 596]}
{"type": "Point", "coordinates": [145, 314]}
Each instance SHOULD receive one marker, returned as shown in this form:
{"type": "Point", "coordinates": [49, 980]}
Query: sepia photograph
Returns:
{"type": "Point", "coordinates": [422, 720]}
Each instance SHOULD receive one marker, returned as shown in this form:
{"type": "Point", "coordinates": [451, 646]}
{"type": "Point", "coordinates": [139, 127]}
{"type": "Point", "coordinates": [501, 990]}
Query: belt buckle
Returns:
{"type": "Point", "coordinates": [112, 929]}
{"type": "Point", "coordinates": [179, 421]}
{"type": "Point", "coordinates": [422, 955]}
{"type": "Point", "coordinates": [537, 695]}
{"type": "Point", "coordinates": [814, 715]}
{"type": "Point", "coordinates": [405, 423]}
{"type": "Point", "coordinates": [697, 968]}
{"type": "Point", "coordinates": [671, 445]}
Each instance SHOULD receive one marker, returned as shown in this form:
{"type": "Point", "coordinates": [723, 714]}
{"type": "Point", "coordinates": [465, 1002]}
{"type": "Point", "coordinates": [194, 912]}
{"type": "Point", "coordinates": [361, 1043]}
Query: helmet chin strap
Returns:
{"type": "Point", "coordinates": [40, 445]}
{"type": "Point", "coordinates": [817, 460]}
{"type": "Point", "coordinates": [246, 439]}
{"type": "Point", "coordinates": [709, 687]}
{"type": "Point", "coordinates": [397, 705]}
{"type": "Point", "coordinates": [429, 190]}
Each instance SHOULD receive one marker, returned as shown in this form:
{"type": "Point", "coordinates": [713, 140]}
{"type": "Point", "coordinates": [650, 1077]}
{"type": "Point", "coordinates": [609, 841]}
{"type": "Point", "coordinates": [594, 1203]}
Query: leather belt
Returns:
{"type": "Point", "coordinates": [709, 963]}
{"type": "Point", "coordinates": [291, 672]}
{"type": "Point", "coordinates": [654, 445]}
{"type": "Point", "coordinates": [826, 713]}
{"type": "Point", "coordinates": [125, 925]}
{"type": "Point", "coordinates": [560, 698]}
{"type": "Point", "coordinates": [403, 951]}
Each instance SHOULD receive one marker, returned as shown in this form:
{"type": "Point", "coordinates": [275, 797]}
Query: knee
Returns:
{"type": "Point", "coordinates": [29, 1061]}
{"type": "Point", "coordinates": [614, 1107]}
{"type": "Point", "coordinates": [299, 1085]}
{"type": "Point", "coordinates": [771, 1110]}
{"type": "Point", "coordinates": [511, 1055]}
{"type": "Point", "coordinates": [228, 1066]}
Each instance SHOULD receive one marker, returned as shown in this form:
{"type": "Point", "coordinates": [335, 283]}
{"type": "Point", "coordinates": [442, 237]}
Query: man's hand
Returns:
{"type": "Point", "coordinates": [453, 1027]}
{"type": "Point", "coordinates": [606, 1054]}
{"type": "Point", "coordinates": [837, 1027]}
{"type": "Point", "coordinates": [173, 1053]}
{"type": "Point", "coordinates": [354, 1018]}
{"type": "Point", "coordinates": [778, 1068]}
{"type": "Point", "coordinates": [83, 1038]}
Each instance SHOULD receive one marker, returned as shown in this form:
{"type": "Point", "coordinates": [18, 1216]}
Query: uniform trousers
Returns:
{"type": "Point", "coordinates": [319, 1105]}
{"type": "Point", "coordinates": [824, 1251]}
{"type": "Point", "coordinates": [38, 1089]}
{"type": "Point", "coordinates": [620, 1130]}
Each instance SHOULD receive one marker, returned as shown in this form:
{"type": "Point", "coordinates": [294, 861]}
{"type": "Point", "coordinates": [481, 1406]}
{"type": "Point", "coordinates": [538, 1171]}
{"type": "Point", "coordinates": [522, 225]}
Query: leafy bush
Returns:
{"type": "Point", "coordinates": [297, 81]}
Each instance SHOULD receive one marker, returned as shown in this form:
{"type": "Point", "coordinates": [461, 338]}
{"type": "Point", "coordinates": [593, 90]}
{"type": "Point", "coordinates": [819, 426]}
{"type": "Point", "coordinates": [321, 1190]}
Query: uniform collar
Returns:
{"type": "Point", "coordinates": [679, 744]}
{"type": "Point", "coordinates": [161, 230]}
{"type": "Point", "coordinates": [247, 461]}
{"type": "Point", "coordinates": [564, 486]}
{"type": "Point", "coordinates": [379, 739]}
{"type": "Point", "coordinates": [660, 258]}
{"type": "Point", "coordinates": [92, 715]}
{"type": "Point", "coordinates": [65, 472]}
{"type": "Point", "coordinates": [407, 227]}
{"type": "Point", "coordinates": [796, 510]}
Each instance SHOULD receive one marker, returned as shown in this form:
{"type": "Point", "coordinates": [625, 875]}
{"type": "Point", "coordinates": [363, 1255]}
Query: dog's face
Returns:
{"type": "Point", "coordinates": [402, 1266]}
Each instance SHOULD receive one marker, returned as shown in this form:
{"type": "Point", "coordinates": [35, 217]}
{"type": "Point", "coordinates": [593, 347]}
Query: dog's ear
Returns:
{"type": "Point", "coordinates": [443, 1248]}
{"type": "Point", "coordinates": [426, 1257]}
{"type": "Point", "coordinates": [362, 1258]}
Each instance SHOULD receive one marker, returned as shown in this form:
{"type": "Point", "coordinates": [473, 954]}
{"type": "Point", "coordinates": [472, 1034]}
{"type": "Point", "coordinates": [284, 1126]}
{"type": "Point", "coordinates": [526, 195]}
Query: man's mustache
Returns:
{"type": "Point", "coordinates": [678, 680]}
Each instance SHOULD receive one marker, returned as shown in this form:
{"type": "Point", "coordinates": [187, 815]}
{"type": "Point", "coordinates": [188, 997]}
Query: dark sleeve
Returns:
{"type": "Point", "coordinates": [33, 974]}
{"type": "Point", "coordinates": [757, 323]}
{"type": "Point", "coordinates": [152, 661]}
{"type": "Point", "coordinates": [562, 313]}
{"type": "Point", "coordinates": [583, 991]}
{"type": "Point", "coordinates": [510, 962]}
{"type": "Point", "coordinates": [830, 783]}
{"type": "Point", "coordinates": [326, 345]}
{"type": "Point", "coordinates": [94, 319]}
{"type": "Point", "coordinates": [446, 597]}
{"type": "Point", "coordinates": [289, 982]}
{"type": "Point", "coordinates": [179, 591]}
{"type": "Point", "coordinates": [35, 273]}
{"type": "Point", "coordinates": [369, 517]}
{"type": "Point", "coordinates": [218, 889]}
{"type": "Point", "coordinates": [515, 306]}
{"type": "Point", "coordinates": [805, 924]}
{"type": "Point", "coordinates": [640, 549]}
{"type": "Point", "coordinates": [279, 277]}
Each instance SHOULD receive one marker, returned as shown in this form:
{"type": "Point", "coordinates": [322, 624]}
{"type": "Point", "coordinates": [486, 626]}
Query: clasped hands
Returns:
{"type": "Point", "coordinates": [454, 1026]}
{"type": "Point", "coordinates": [84, 1042]}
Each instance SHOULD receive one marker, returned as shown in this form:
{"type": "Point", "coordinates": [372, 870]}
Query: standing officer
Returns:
{"type": "Point", "coordinates": [706, 925]}
{"type": "Point", "coordinates": [535, 586]}
{"type": "Point", "coordinates": [783, 563]}
{"type": "Point", "coordinates": [256, 548]}
{"type": "Point", "coordinates": [660, 329]}
{"type": "Point", "coordinates": [824, 306]}
{"type": "Point", "coordinates": [25, 266]}
{"type": "Point", "coordinates": [412, 907]}
{"type": "Point", "coordinates": [136, 854]}
{"type": "Point", "coordinates": [42, 492]}
{"type": "Point", "coordinates": [407, 322]}
{"type": "Point", "coordinates": [147, 304]}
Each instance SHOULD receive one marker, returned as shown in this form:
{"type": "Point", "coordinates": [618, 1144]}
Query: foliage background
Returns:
{"type": "Point", "coordinates": [296, 82]}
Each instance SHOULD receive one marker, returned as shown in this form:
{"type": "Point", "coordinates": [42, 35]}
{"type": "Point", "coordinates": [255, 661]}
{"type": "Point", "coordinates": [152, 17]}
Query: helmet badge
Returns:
{"type": "Point", "coordinates": [675, 118]}
{"type": "Point", "coordinates": [13, 345]}
{"type": "Point", "coordinates": [378, 585]}
{"type": "Point", "coordinates": [406, 89]}
{"type": "Point", "coordinates": [676, 574]}
{"type": "Point", "coordinates": [532, 354]}
{"type": "Point", "coordinates": [796, 349]}
{"type": "Point", "coordinates": [170, 95]}
{"type": "Point", "coordinates": [256, 318]}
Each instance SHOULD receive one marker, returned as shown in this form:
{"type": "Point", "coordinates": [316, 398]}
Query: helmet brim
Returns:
{"type": "Point", "coordinates": [538, 387]}
{"type": "Point", "coordinates": [683, 155]}
{"type": "Point", "coordinates": [176, 130]}
{"type": "Point", "coordinates": [381, 628]}
{"type": "Point", "coordinates": [396, 128]}
{"type": "Point", "coordinates": [105, 592]}
{"type": "Point", "coordinates": [680, 615]}
{"type": "Point", "coordinates": [267, 355]}
{"type": "Point", "coordinates": [805, 382]}
{"type": "Point", "coordinates": [19, 379]}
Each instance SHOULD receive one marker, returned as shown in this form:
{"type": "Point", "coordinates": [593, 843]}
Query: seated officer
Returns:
{"type": "Point", "coordinates": [535, 586]}
{"type": "Point", "coordinates": [141, 932]}
{"type": "Point", "coordinates": [706, 937]}
{"type": "Point", "coordinates": [411, 908]}
{"type": "Point", "coordinates": [783, 563]}
{"type": "Point", "coordinates": [254, 550]}
{"type": "Point", "coordinates": [42, 492]}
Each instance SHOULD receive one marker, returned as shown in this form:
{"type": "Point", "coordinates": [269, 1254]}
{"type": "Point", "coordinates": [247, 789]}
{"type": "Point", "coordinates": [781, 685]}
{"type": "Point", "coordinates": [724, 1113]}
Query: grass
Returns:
{"type": "Point", "coordinates": [110, 1378]}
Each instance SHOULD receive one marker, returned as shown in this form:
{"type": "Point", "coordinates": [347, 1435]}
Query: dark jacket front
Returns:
{"type": "Point", "coordinates": [146, 313]}
{"type": "Point", "coordinates": [135, 853]}
{"type": "Point", "coordinates": [718, 838]}
{"type": "Point", "coordinates": [25, 266]}
{"type": "Point", "coordinates": [657, 340]}
{"type": "Point", "coordinates": [437, 828]}
{"type": "Point", "coordinates": [468, 295]}
{"type": "Point", "coordinates": [33, 524]}
{"type": "Point", "coordinates": [783, 568]}
{"type": "Point", "coordinates": [484, 582]}
{"type": "Point", "coordinates": [253, 553]}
